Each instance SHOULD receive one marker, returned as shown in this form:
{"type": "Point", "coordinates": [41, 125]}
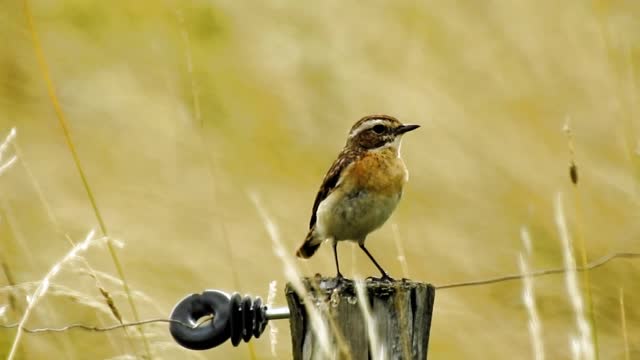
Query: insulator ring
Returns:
{"type": "Point", "coordinates": [234, 317]}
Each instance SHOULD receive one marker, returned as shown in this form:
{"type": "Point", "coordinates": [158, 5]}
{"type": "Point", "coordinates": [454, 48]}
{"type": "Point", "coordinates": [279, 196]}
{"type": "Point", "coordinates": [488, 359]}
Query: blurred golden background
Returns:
{"type": "Point", "coordinates": [179, 110]}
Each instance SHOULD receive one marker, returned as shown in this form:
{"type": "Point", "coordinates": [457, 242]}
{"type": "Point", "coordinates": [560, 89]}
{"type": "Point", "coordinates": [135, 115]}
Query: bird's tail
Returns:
{"type": "Point", "coordinates": [309, 246]}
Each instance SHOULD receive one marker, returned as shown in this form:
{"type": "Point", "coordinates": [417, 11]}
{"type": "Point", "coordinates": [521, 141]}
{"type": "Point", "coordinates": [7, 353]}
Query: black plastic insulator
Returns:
{"type": "Point", "coordinates": [247, 319]}
{"type": "Point", "coordinates": [194, 307]}
{"type": "Point", "coordinates": [234, 317]}
{"type": "Point", "coordinates": [260, 321]}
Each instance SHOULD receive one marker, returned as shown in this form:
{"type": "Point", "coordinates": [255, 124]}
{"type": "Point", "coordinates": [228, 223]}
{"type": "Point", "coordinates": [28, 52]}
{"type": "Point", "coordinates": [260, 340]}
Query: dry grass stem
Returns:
{"type": "Point", "coordinates": [586, 282]}
{"type": "Point", "coordinates": [623, 324]}
{"type": "Point", "coordinates": [318, 325]}
{"type": "Point", "coordinates": [42, 288]}
{"type": "Point", "coordinates": [148, 120]}
{"type": "Point", "coordinates": [184, 34]}
{"type": "Point", "coordinates": [529, 298]}
{"type": "Point", "coordinates": [273, 329]}
{"type": "Point", "coordinates": [44, 69]}
{"type": "Point", "coordinates": [400, 249]}
{"type": "Point", "coordinates": [3, 147]}
{"type": "Point", "coordinates": [13, 303]}
{"type": "Point", "coordinates": [581, 345]}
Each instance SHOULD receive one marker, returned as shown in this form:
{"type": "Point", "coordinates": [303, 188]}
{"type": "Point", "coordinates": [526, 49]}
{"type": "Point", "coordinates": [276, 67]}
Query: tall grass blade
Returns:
{"type": "Point", "coordinates": [42, 288]}
{"type": "Point", "coordinates": [318, 325]}
{"type": "Point", "coordinates": [402, 258]}
{"type": "Point", "coordinates": [44, 69]}
{"type": "Point", "coordinates": [273, 330]}
{"type": "Point", "coordinates": [582, 344]}
{"type": "Point", "coordinates": [529, 299]}
{"type": "Point", "coordinates": [586, 282]}
{"type": "Point", "coordinates": [623, 323]}
{"type": "Point", "coordinates": [3, 147]}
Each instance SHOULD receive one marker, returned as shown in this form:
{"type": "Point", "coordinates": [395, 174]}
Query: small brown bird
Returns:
{"type": "Point", "coordinates": [361, 189]}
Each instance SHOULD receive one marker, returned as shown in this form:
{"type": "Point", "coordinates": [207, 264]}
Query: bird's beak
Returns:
{"type": "Point", "coordinates": [405, 128]}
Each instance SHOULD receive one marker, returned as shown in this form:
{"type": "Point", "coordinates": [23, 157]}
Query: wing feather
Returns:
{"type": "Point", "coordinates": [331, 179]}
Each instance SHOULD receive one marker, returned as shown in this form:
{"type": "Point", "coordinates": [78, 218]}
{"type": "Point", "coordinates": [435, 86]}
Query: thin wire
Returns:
{"type": "Point", "coordinates": [593, 265]}
{"type": "Point", "coordinates": [100, 329]}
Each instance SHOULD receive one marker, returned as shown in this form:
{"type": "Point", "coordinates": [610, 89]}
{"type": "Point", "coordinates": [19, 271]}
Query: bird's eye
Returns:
{"type": "Point", "coordinates": [379, 129]}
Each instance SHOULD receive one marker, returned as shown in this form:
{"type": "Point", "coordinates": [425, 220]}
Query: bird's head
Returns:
{"type": "Point", "coordinates": [378, 131]}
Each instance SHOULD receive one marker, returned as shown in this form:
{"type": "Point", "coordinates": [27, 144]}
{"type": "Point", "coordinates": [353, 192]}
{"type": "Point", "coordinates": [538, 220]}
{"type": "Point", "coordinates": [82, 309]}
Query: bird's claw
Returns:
{"type": "Point", "coordinates": [386, 277]}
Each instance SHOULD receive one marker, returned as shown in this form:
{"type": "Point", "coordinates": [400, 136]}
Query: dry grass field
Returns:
{"type": "Point", "coordinates": [181, 112]}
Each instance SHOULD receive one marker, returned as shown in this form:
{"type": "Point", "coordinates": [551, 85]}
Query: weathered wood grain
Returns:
{"type": "Point", "coordinates": [401, 311]}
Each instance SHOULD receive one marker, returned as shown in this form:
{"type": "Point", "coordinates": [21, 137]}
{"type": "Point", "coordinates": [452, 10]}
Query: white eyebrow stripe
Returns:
{"type": "Point", "coordinates": [367, 125]}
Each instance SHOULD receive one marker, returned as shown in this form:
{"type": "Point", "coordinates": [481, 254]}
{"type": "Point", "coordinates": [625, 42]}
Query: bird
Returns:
{"type": "Point", "coordinates": [361, 189]}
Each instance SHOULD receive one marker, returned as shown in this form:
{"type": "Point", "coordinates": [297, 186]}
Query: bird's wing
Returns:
{"type": "Point", "coordinates": [330, 181]}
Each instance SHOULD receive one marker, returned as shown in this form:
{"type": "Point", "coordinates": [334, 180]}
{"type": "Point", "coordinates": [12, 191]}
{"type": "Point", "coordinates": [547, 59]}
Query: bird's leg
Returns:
{"type": "Point", "coordinates": [385, 276]}
{"type": "Point", "coordinates": [334, 243]}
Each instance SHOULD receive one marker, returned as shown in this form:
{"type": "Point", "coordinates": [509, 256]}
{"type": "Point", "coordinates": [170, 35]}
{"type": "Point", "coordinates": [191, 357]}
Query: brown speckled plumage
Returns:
{"type": "Point", "coordinates": [361, 188]}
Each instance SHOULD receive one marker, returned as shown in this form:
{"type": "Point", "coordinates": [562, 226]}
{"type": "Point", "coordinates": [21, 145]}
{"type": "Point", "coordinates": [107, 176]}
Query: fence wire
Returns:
{"type": "Point", "coordinates": [591, 266]}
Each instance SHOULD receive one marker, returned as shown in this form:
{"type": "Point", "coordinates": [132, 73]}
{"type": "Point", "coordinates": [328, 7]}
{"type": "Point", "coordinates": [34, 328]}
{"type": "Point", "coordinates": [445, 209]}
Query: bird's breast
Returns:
{"type": "Point", "coordinates": [364, 198]}
{"type": "Point", "coordinates": [379, 172]}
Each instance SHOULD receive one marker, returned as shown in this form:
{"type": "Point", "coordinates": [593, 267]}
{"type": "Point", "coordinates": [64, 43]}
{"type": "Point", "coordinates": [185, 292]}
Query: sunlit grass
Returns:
{"type": "Point", "coordinates": [623, 325]}
{"type": "Point", "coordinates": [574, 175]}
{"type": "Point", "coordinates": [44, 68]}
{"type": "Point", "coordinates": [6, 164]}
{"type": "Point", "coordinates": [529, 298]}
{"type": "Point", "coordinates": [402, 258]}
{"type": "Point", "coordinates": [582, 345]}
{"type": "Point", "coordinates": [175, 109]}
{"type": "Point", "coordinates": [317, 320]}
{"type": "Point", "coordinates": [273, 329]}
{"type": "Point", "coordinates": [44, 285]}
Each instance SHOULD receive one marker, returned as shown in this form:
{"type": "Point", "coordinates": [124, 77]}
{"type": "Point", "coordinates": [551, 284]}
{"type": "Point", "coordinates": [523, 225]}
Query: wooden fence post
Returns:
{"type": "Point", "coordinates": [401, 311]}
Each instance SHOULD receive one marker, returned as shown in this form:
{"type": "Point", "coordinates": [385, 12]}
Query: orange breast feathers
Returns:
{"type": "Point", "coordinates": [383, 172]}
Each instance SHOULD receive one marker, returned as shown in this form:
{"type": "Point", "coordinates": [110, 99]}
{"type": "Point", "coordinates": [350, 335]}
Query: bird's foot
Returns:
{"type": "Point", "coordinates": [337, 282]}
{"type": "Point", "coordinates": [384, 277]}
